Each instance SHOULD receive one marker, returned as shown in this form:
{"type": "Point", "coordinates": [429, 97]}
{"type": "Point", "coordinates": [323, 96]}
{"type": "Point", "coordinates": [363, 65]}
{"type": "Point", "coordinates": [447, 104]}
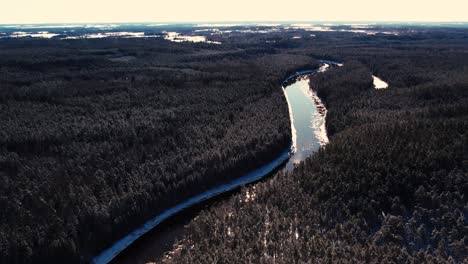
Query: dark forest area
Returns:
{"type": "Point", "coordinates": [392, 184]}
{"type": "Point", "coordinates": [98, 136]}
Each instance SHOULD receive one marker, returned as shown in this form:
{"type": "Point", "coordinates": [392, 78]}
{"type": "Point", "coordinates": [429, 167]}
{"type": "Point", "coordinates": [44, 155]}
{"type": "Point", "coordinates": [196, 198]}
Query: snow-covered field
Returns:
{"type": "Point", "coordinates": [176, 37]}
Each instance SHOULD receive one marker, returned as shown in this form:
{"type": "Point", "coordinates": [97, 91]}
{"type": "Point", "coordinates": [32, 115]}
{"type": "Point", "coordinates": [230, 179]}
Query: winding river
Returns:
{"type": "Point", "coordinates": [307, 114]}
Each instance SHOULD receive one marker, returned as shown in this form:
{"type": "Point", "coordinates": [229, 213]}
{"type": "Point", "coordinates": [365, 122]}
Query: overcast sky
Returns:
{"type": "Point", "coordinates": [67, 11]}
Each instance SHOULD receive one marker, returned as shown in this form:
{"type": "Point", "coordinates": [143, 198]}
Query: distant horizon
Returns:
{"type": "Point", "coordinates": [244, 22]}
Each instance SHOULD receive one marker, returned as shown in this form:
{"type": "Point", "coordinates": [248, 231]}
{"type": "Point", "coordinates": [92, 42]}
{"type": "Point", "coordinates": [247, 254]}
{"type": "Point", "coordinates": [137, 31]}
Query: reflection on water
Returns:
{"type": "Point", "coordinates": [308, 120]}
{"type": "Point", "coordinates": [307, 115]}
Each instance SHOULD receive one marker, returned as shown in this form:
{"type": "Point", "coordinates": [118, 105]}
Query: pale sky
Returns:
{"type": "Point", "coordinates": [69, 11]}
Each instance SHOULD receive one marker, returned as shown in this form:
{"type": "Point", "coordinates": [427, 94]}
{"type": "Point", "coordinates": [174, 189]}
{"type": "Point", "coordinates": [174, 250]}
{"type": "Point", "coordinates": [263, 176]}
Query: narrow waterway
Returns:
{"type": "Point", "coordinates": [307, 113]}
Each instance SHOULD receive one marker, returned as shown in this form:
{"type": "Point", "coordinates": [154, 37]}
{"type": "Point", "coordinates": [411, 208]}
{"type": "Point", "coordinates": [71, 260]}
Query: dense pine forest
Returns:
{"type": "Point", "coordinates": [99, 135]}
{"type": "Point", "coordinates": [391, 186]}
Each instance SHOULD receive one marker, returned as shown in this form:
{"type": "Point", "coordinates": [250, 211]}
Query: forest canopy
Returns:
{"type": "Point", "coordinates": [99, 135]}
{"type": "Point", "coordinates": [390, 187]}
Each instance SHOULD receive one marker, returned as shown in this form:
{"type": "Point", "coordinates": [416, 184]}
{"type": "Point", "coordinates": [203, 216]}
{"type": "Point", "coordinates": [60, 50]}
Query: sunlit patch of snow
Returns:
{"type": "Point", "coordinates": [156, 25]}
{"type": "Point", "coordinates": [247, 30]}
{"type": "Point", "coordinates": [102, 26]}
{"type": "Point", "coordinates": [250, 195]}
{"type": "Point", "coordinates": [267, 230]}
{"type": "Point", "coordinates": [309, 27]}
{"type": "Point", "coordinates": [390, 33]}
{"type": "Point", "coordinates": [301, 25]}
{"type": "Point", "coordinates": [318, 121]}
{"type": "Point", "coordinates": [327, 64]}
{"type": "Point", "coordinates": [378, 83]}
{"type": "Point", "coordinates": [268, 25]}
{"type": "Point", "coordinates": [207, 30]}
{"type": "Point", "coordinates": [294, 234]}
{"type": "Point", "coordinates": [297, 37]}
{"type": "Point", "coordinates": [260, 31]}
{"type": "Point", "coordinates": [112, 35]}
{"type": "Point", "coordinates": [169, 255]}
{"type": "Point", "coordinates": [318, 124]}
{"type": "Point", "coordinates": [40, 34]}
{"type": "Point", "coordinates": [324, 67]}
{"type": "Point", "coordinates": [229, 232]}
{"type": "Point", "coordinates": [315, 28]}
{"type": "Point", "coordinates": [218, 25]}
{"type": "Point", "coordinates": [368, 31]}
{"type": "Point", "coordinates": [358, 25]}
{"type": "Point", "coordinates": [358, 29]}
{"type": "Point", "coordinates": [176, 37]}
{"type": "Point", "coordinates": [212, 31]}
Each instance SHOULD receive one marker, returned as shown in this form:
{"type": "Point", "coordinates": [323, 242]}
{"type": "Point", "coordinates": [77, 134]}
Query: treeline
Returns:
{"type": "Point", "coordinates": [98, 136]}
{"type": "Point", "coordinates": [391, 187]}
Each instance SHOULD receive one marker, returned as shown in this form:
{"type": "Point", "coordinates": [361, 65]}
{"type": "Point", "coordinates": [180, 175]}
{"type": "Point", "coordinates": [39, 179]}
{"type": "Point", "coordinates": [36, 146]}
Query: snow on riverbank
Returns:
{"type": "Point", "coordinates": [107, 255]}
{"type": "Point", "coordinates": [291, 118]}
{"type": "Point", "coordinates": [318, 123]}
{"type": "Point", "coordinates": [319, 117]}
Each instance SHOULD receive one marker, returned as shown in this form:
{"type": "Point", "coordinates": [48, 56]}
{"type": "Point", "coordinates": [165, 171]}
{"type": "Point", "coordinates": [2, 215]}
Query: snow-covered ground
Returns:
{"type": "Point", "coordinates": [111, 35]}
{"type": "Point", "coordinates": [111, 30]}
{"type": "Point", "coordinates": [291, 118]}
{"type": "Point", "coordinates": [359, 29]}
{"type": "Point", "coordinates": [318, 120]}
{"type": "Point", "coordinates": [176, 37]}
{"type": "Point", "coordinates": [378, 83]}
{"type": "Point", "coordinates": [40, 34]}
